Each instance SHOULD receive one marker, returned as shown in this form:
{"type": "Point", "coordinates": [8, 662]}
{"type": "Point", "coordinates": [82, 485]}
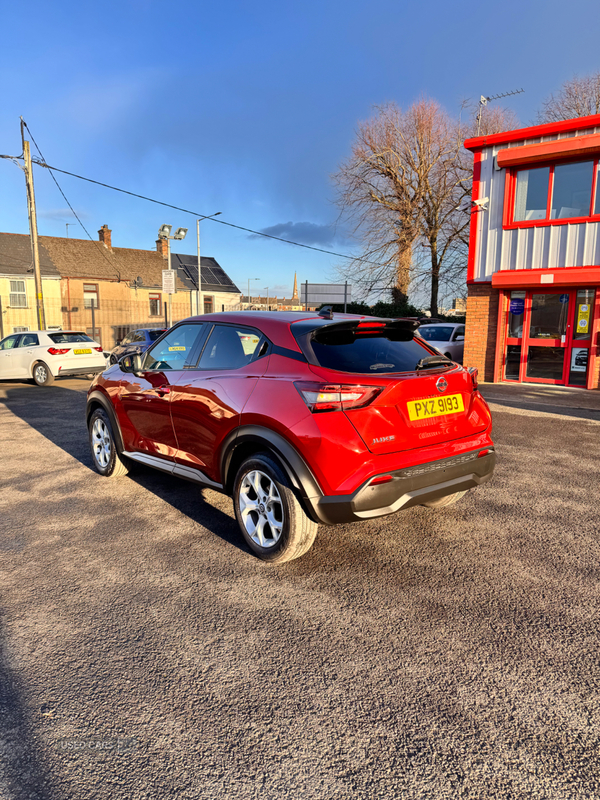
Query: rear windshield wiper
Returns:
{"type": "Point", "coordinates": [433, 361]}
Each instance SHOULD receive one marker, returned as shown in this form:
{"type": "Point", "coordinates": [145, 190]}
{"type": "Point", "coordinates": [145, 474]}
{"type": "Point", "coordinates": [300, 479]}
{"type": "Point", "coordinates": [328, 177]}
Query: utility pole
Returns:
{"type": "Point", "coordinates": [39, 296]}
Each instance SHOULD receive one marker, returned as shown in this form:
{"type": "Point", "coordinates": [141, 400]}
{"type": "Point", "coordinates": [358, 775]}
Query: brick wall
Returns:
{"type": "Point", "coordinates": [481, 328]}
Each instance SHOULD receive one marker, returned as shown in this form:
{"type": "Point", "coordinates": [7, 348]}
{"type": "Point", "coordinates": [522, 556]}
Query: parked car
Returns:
{"type": "Point", "coordinates": [448, 338]}
{"type": "Point", "coordinates": [137, 341]}
{"type": "Point", "coordinates": [46, 355]}
{"type": "Point", "coordinates": [303, 419]}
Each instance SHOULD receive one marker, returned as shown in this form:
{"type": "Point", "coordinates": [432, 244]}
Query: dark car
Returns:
{"type": "Point", "coordinates": [137, 341]}
{"type": "Point", "coordinates": [303, 419]}
{"type": "Point", "coordinates": [581, 359]}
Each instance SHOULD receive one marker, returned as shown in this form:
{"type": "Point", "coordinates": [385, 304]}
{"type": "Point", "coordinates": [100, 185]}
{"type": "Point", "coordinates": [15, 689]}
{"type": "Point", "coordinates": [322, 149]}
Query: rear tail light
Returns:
{"type": "Point", "coordinates": [483, 453]}
{"type": "Point", "coordinates": [334, 397]}
{"type": "Point", "coordinates": [99, 349]}
{"type": "Point", "coordinates": [58, 351]}
{"type": "Point", "coordinates": [474, 373]}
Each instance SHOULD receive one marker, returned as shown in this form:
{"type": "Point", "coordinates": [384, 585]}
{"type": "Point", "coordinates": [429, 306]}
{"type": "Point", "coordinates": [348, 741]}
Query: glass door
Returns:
{"type": "Point", "coordinates": [581, 340]}
{"type": "Point", "coordinates": [548, 336]}
{"type": "Point", "coordinates": [545, 336]}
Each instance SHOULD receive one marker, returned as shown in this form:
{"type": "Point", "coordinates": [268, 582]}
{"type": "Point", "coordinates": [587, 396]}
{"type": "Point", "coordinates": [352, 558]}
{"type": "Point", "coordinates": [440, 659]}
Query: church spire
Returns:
{"type": "Point", "coordinates": [295, 294]}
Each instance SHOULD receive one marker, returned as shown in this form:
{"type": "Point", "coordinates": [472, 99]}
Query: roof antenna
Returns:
{"type": "Point", "coordinates": [483, 101]}
{"type": "Point", "coordinates": [326, 312]}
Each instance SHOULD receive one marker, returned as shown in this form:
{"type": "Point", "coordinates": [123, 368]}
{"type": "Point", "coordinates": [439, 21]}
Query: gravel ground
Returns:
{"type": "Point", "coordinates": [433, 654]}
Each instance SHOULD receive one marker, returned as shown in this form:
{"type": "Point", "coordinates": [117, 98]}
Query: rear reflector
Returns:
{"type": "Point", "coordinates": [482, 453]}
{"type": "Point", "coordinates": [334, 397]}
{"type": "Point", "coordinates": [58, 351]}
{"type": "Point", "coordinates": [381, 479]}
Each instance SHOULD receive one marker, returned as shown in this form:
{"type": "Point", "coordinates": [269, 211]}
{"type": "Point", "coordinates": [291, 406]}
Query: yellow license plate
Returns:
{"type": "Point", "coordinates": [82, 352]}
{"type": "Point", "coordinates": [435, 407]}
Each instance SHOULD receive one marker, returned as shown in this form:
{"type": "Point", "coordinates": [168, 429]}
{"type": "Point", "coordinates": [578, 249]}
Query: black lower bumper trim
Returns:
{"type": "Point", "coordinates": [72, 372]}
{"type": "Point", "coordinates": [409, 487]}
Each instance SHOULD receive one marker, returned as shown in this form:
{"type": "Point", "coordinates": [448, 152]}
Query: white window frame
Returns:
{"type": "Point", "coordinates": [17, 295]}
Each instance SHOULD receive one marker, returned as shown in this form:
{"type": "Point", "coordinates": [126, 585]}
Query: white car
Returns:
{"type": "Point", "coordinates": [448, 338]}
{"type": "Point", "coordinates": [46, 355]}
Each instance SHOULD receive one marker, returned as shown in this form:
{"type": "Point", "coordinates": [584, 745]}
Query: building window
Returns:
{"type": "Point", "coordinates": [552, 194]}
{"type": "Point", "coordinates": [95, 334]}
{"type": "Point", "coordinates": [20, 330]}
{"type": "Point", "coordinates": [155, 305]}
{"type": "Point", "coordinates": [90, 295]}
{"type": "Point", "coordinates": [208, 304]}
{"type": "Point", "coordinates": [18, 295]}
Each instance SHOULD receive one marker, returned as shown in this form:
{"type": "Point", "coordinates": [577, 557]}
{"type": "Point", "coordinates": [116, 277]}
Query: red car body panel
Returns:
{"type": "Point", "coordinates": [194, 418]}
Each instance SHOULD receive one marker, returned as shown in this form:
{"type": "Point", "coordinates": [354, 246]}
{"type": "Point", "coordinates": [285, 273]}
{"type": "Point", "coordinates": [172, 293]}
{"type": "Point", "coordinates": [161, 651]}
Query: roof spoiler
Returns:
{"type": "Point", "coordinates": [402, 329]}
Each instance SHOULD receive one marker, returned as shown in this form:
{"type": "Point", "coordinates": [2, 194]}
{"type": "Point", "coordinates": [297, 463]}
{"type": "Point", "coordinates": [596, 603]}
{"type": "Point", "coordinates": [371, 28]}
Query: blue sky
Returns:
{"type": "Point", "coordinates": [247, 108]}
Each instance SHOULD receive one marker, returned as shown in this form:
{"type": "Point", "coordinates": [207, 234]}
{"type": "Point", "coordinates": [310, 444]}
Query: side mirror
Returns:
{"type": "Point", "coordinates": [131, 363]}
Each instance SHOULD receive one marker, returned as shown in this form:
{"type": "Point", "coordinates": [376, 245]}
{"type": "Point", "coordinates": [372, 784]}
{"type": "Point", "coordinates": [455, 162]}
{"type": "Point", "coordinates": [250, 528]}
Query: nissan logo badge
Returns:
{"type": "Point", "coordinates": [441, 385]}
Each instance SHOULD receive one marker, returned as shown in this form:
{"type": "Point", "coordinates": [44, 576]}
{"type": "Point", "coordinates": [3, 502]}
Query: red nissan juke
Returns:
{"type": "Point", "coordinates": [304, 418]}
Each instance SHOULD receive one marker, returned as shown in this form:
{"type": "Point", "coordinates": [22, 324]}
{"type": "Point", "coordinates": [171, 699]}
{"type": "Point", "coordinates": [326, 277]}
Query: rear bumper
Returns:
{"type": "Point", "coordinates": [412, 486]}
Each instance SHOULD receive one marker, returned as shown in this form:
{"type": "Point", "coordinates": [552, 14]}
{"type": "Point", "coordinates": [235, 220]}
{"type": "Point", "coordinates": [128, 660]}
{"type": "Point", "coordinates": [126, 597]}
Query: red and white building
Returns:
{"type": "Point", "coordinates": [533, 309]}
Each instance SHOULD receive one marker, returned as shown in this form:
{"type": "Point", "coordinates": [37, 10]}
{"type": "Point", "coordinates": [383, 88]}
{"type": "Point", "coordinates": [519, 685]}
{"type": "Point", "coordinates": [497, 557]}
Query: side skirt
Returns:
{"type": "Point", "coordinates": [187, 473]}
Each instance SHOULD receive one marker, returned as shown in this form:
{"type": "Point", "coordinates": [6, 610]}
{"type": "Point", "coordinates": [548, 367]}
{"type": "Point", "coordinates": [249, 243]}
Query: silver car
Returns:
{"type": "Point", "coordinates": [447, 337]}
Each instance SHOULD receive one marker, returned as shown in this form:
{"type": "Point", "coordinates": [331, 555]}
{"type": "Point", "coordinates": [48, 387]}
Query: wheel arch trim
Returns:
{"type": "Point", "coordinates": [98, 398]}
{"type": "Point", "coordinates": [292, 462]}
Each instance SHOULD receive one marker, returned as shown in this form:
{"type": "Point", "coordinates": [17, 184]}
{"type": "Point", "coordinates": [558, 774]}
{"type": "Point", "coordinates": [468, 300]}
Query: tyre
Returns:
{"type": "Point", "coordinates": [112, 360]}
{"type": "Point", "coordinates": [41, 374]}
{"type": "Point", "coordinates": [449, 500]}
{"type": "Point", "coordinates": [270, 517]}
{"type": "Point", "coordinates": [449, 355]}
{"type": "Point", "coordinates": [107, 460]}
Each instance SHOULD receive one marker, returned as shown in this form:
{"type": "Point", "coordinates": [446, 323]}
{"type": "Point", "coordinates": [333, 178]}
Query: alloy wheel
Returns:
{"type": "Point", "coordinates": [41, 373]}
{"type": "Point", "coordinates": [101, 443]}
{"type": "Point", "coordinates": [261, 508]}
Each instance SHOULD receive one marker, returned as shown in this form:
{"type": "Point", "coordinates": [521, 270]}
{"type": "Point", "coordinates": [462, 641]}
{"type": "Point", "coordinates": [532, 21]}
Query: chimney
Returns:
{"type": "Point", "coordinates": [161, 247]}
{"type": "Point", "coordinates": [104, 236]}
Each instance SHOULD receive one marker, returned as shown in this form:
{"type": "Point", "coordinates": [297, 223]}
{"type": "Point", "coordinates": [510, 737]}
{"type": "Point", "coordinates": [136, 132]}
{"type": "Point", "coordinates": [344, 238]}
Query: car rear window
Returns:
{"type": "Point", "coordinates": [154, 335]}
{"type": "Point", "coordinates": [348, 351]}
{"type": "Point", "coordinates": [69, 338]}
{"type": "Point", "coordinates": [436, 333]}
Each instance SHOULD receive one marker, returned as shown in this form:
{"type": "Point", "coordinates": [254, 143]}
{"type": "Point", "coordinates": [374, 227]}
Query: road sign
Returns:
{"type": "Point", "coordinates": [168, 281]}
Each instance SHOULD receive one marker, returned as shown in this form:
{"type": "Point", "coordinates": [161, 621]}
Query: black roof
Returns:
{"type": "Point", "coordinates": [214, 277]}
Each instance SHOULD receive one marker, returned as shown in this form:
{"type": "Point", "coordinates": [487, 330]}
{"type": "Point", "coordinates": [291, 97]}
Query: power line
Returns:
{"type": "Point", "coordinates": [100, 250]}
{"type": "Point", "coordinates": [43, 163]}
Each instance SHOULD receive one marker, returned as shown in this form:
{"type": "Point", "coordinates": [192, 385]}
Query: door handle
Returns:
{"type": "Point", "coordinates": [161, 391]}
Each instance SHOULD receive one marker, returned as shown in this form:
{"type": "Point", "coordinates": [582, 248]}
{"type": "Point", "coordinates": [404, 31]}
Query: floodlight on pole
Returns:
{"type": "Point", "coordinates": [180, 233]}
{"type": "Point", "coordinates": [164, 231]}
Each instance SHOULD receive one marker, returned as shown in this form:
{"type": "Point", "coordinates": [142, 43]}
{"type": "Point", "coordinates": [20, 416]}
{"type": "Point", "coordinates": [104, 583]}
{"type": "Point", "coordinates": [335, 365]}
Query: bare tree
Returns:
{"type": "Point", "coordinates": [405, 188]}
{"type": "Point", "coordinates": [577, 97]}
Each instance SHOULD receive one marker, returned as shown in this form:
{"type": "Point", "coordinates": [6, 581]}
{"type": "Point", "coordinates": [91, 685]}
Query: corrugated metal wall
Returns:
{"type": "Point", "coordinates": [527, 248]}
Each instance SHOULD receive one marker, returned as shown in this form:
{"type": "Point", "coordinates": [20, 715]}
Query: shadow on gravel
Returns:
{"type": "Point", "coordinates": [59, 415]}
{"type": "Point", "coordinates": [56, 412]}
{"type": "Point", "coordinates": [21, 772]}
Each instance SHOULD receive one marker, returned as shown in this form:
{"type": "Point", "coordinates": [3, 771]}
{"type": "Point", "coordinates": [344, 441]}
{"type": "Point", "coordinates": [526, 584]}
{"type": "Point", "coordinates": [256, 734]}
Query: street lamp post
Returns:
{"type": "Point", "coordinates": [250, 279]}
{"type": "Point", "coordinates": [198, 292]}
{"type": "Point", "coordinates": [164, 232]}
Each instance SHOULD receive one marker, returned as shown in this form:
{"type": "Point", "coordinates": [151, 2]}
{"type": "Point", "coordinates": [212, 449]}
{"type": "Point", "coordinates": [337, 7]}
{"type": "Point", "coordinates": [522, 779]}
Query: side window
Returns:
{"type": "Point", "coordinates": [459, 332]}
{"type": "Point", "coordinates": [175, 349]}
{"type": "Point", "coordinates": [9, 342]}
{"type": "Point", "coordinates": [229, 348]}
{"type": "Point", "coordinates": [29, 340]}
{"type": "Point", "coordinates": [138, 336]}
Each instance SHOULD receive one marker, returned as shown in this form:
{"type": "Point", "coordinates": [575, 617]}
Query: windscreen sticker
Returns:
{"type": "Point", "coordinates": [175, 348]}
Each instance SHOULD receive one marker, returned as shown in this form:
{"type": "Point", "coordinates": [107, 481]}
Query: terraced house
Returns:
{"type": "Point", "coordinates": [533, 309]}
{"type": "Point", "coordinates": [103, 290]}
